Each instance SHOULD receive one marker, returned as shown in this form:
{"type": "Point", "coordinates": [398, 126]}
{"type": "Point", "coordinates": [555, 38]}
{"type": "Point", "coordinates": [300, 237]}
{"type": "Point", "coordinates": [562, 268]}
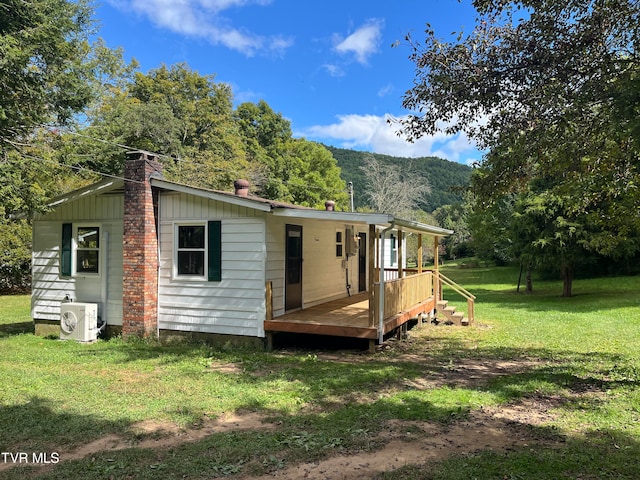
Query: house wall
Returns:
{"type": "Point", "coordinates": [235, 305]}
{"type": "Point", "coordinates": [324, 275]}
{"type": "Point", "coordinates": [49, 287]}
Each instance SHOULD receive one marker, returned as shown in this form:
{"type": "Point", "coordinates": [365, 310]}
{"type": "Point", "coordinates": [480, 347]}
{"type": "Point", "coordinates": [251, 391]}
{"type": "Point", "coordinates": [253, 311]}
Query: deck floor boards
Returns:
{"type": "Point", "coordinates": [345, 317]}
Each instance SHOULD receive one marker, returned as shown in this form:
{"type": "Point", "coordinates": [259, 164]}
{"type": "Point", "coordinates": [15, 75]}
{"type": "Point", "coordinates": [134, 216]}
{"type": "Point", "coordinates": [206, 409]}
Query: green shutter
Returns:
{"type": "Point", "coordinates": [215, 251]}
{"type": "Point", "coordinates": [66, 251]}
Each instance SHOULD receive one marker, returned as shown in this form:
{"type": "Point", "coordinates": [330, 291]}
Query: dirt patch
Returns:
{"type": "Point", "coordinates": [415, 443]}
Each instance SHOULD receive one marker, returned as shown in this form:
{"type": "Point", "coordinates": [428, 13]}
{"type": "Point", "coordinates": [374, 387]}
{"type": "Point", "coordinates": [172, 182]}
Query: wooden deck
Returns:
{"type": "Point", "coordinates": [346, 317]}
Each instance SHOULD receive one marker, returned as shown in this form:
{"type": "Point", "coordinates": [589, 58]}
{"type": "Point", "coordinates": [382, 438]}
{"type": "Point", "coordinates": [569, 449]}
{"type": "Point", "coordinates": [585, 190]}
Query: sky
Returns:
{"type": "Point", "coordinates": [337, 70]}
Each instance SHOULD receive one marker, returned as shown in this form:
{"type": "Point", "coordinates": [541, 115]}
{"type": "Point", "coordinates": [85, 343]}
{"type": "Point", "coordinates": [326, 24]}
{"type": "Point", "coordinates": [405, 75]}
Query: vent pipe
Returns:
{"type": "Point", "coordinates": [241, 187]}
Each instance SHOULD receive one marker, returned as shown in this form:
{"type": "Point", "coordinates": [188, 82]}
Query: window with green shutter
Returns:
{"type": "Point", "coordinates": [198, 251]}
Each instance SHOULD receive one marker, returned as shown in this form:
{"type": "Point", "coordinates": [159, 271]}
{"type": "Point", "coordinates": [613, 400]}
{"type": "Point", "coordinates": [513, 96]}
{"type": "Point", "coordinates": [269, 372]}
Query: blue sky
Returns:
{"type": "Point", "coordinates": [328, 66]}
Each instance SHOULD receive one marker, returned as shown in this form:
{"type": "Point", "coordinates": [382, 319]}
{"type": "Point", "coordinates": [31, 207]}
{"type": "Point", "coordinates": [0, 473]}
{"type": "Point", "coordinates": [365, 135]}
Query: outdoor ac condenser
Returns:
{"type": "Point", "coordinates": [79, 321]}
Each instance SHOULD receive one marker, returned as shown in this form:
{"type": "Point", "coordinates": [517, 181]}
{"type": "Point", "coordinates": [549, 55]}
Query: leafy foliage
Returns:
{"type": "Point", "coordinates": [549, 89]}
{"type": "Point", "coordinates": [44, 69]}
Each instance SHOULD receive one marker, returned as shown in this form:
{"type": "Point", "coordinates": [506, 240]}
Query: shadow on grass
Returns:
{"type": "Point", "coordinates": [38, 426]}
{"type": "Point", "coordinates": [11, 329]}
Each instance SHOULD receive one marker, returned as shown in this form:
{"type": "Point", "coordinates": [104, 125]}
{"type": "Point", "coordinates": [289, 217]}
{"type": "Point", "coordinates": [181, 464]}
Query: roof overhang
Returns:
{"type": "Point", "coordinates": [378, 219]}
{"type": "Point", "coordinates": [94, 189]}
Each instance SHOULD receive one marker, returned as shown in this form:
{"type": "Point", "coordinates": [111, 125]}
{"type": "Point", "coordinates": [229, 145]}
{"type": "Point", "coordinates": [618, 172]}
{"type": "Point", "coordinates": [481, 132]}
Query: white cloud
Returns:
{"type": "Point", "coordinates": [374, 133]}
{"type": "Point", "coordinates": [203, 19]}
{"type": "Point", "coordinates": [386, 90]}
{"type": "Point", "coordinates": [362, 43]}
{"type": "Point", "coordinates": [333, 70]}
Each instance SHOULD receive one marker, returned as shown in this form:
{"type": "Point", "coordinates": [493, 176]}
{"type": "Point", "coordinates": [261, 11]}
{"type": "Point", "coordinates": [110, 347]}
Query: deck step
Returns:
{"type": "Point", "coordinates": [449, 314]}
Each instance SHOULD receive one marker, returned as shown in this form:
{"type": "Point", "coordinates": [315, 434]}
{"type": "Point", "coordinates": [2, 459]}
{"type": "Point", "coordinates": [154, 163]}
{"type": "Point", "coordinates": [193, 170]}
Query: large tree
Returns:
{"type": "Point", "coordinates": [44, 72]}
{"type": "Point", "coordinates": [549, 89]}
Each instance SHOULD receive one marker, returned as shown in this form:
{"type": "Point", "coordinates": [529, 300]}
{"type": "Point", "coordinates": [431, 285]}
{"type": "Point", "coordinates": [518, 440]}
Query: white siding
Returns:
{"type": "Point", "coordinates": [49, 288]}
{"type": "Point", "coordinates": [324, 276]}
{"type": "Point", "coordinates": [235, 305]}
{"type": "Point", "coordinates": [275, 261]}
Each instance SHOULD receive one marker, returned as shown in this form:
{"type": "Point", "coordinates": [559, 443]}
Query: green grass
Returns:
{"type": "Point", "coordinates": [581, 351]}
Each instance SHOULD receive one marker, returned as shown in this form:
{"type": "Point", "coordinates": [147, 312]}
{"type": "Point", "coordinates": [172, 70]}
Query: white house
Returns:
{"type": "Point", "coordinates": [158, 257]}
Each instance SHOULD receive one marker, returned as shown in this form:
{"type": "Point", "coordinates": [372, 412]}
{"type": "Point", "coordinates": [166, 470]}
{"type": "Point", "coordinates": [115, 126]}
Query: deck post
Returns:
{"type": "Point", "coordinates": [419, 253]}
{"type": "Point", "coordinates": [371, 251]}
{"type": "Point", "coordinates": [269, 300]}
{"type": "Point", "coordinates": [382, 283]}
{"type": "Point", "coordinates": [400, 253]}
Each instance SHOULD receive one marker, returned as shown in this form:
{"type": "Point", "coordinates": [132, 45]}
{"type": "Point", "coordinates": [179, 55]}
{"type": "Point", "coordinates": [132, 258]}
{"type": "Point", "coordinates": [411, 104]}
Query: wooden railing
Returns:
{"type": "Point", "coordinates": [440, 279]}
{"type": "Point", "coordinates": [403, 293]}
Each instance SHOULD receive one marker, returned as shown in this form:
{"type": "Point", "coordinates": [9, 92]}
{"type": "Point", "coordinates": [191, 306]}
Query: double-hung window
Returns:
{"type": "Point", "coordinates": [198, 251]}
{"type": "Point", "coordinates": [80, 250]}
{"type": "Point", "coordinates": [191, 253]}
{"type": "Point", "coordinates": [88, 250]}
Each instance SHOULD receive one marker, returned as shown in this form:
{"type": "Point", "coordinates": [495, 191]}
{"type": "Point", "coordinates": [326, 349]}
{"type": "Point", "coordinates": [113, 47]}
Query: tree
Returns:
{"type": "Point", "coordinates": [44, 72]}
{"type": "Point", "coordinates": [549, 88]}
{"type": "Point", "coordinates": [455, 217]}
{"type": "Point", "coordinates": [287, 169]}
{"type": "Point", "coordinates": [389, 191]}
{"type": "Point", "coordinates": [175, 112]}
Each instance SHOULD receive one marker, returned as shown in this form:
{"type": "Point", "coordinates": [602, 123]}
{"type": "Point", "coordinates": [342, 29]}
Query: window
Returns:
{"type": "Point", "coordinates": [198, 251]}
{"type": "Point", "coordinates": [87, 249]}
{"type": "Point", "coordinates": [191, 250]}
{"type": "Point", "coordinates": [80, 250]}
{"type": "Point", "coordinates": [339, 244]}
{"type": "Point", "coordinates": [394, 250]}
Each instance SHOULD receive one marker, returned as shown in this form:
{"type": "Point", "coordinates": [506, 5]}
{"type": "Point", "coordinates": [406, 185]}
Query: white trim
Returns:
{"type": "Point", "coordinates": [74, 249]}
{"type": "Point", "coordinates": [94, 189]}
{"type": "Point", "coordinates": [174, 270]}
{"type": "Point", "coordinates": [381, 219]}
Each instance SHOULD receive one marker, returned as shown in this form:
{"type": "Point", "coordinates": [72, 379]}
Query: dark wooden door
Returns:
{"type": "Point", "coordinates": [362, 262]}
{"type": "Point", "coordinates": [293, 268]}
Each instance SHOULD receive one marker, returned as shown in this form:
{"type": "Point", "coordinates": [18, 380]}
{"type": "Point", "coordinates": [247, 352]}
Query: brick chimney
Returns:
{"type": "Point", "coordinates": [140, 247]}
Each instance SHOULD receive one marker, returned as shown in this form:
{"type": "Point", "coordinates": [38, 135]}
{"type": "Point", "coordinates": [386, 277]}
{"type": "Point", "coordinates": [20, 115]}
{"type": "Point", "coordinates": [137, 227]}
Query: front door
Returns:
{"type": "Point", "coordinates": [362, 262]}
{"type": "Point", "coordinates": [293, 268]}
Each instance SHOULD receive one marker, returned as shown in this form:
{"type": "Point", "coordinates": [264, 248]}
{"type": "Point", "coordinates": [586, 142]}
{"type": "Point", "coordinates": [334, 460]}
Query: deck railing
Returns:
{"type": "Point", "coordinates": [403, 293]}
{"type": "Point", "coordinates": [440, 279]}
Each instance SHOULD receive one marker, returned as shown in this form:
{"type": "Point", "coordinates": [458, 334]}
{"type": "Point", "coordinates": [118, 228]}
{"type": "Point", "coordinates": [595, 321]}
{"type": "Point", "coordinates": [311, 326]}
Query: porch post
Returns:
{"type": "Point", "coordinates": [400, 253]}
{"type": "Point", "coordinates": [419, 253]}
{"type": "Point", "coordinates": [371, 251]}
{"type": "Point", "coordinates": [436, 261]}
{"type": "Point", "coordinates": [436, 279]}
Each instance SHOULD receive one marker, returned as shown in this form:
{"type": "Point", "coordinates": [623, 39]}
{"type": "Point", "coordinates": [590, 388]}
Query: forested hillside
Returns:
{"type": "Point", "coordinates": [444, 180]}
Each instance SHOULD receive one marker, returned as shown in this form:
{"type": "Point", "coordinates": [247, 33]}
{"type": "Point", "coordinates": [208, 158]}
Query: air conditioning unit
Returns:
{"type": "Point", "coordinates": [79, 321]}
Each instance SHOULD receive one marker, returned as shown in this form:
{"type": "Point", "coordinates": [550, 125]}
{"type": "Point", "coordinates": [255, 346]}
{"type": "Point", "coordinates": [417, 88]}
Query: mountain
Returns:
{"type": "Point", "coordinates": [445, 179]}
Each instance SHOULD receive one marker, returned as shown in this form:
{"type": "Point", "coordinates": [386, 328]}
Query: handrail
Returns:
{"type": "Point", "coordinates": [439, 277]}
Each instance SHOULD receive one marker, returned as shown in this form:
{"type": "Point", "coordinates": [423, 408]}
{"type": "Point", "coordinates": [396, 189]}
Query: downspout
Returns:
{"type": "Point", "coordinates": [381, 295]}
{"type": "Point", "coordinates": [158, 226]}
{"type": "Point", "coordinates": [105, 280]}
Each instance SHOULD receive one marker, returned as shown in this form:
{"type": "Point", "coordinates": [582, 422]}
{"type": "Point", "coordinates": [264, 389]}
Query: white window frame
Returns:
{"type": "Point", "coordinates": [341, 243]}
{"type": "Point", "coordinates": [76, 248]}
{"type": "Point", "coordinates": [176, 250]}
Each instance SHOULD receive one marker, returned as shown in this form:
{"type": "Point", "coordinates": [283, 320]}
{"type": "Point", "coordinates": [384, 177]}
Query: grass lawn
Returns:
{"type": "Point", "coordinates": [542, 387]}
